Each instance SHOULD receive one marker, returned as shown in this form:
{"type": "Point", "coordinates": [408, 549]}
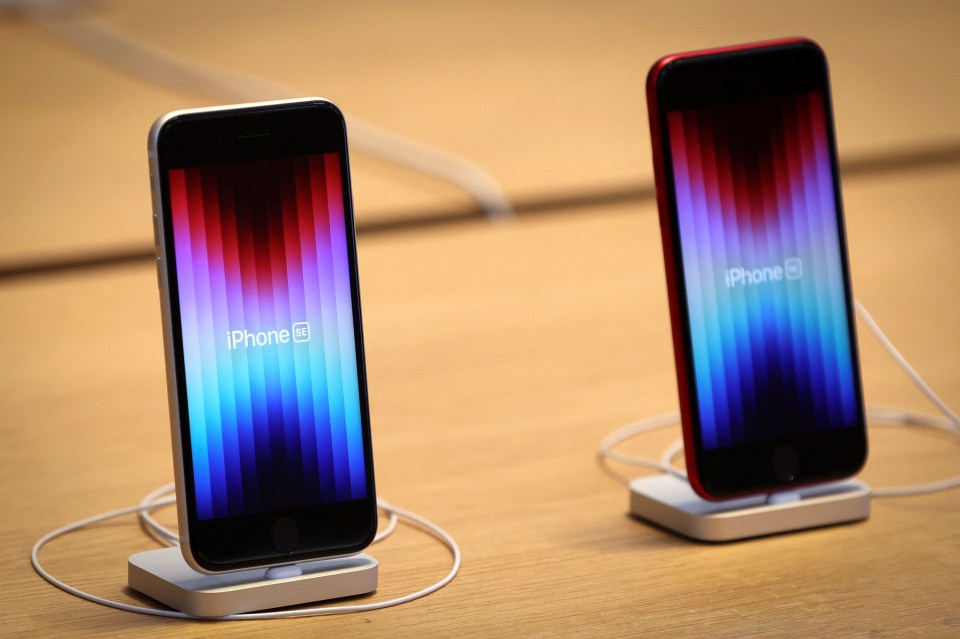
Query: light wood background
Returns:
{"type": "Point", "coordinates": [499, 354]}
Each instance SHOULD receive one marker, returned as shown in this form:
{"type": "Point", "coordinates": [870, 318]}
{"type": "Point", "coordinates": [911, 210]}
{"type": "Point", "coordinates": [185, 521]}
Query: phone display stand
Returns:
{"type": "Point", "coordinates": [164, 575]}
{"type": "Point", "coordinates": [669, 501]}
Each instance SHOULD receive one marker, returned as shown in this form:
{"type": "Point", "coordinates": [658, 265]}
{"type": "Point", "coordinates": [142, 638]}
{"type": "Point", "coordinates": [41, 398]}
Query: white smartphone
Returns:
{"type": "Point", "coordinates": [257, 269]}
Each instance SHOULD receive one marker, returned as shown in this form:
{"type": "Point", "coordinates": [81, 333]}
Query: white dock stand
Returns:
{"type": "Point", "coordinates": [669, 501]}
{"type": "Point", "coordinates": [164, 575]}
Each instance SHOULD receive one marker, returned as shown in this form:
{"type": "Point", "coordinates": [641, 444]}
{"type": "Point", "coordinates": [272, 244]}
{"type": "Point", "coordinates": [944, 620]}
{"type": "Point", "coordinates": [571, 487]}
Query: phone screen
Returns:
{"type": "Point", "coordinates": [766, 299]}
{"type": "Point", "coordinates": [266, 319]}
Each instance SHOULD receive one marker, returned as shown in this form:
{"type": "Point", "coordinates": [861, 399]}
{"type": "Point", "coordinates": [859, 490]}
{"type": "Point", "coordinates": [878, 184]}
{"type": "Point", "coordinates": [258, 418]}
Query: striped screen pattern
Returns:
{"type": "Point", "coordinates": [269, 351]}
{"type": "Point", "coordinates": [758, 226]}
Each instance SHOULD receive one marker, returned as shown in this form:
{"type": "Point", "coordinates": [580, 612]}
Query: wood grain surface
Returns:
{"type": "Point", "coordinates": [546, 96]}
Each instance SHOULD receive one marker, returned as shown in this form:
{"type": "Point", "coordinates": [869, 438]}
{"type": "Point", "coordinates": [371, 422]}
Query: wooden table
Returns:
{"type": "Point", "coordinates": [499, 354]}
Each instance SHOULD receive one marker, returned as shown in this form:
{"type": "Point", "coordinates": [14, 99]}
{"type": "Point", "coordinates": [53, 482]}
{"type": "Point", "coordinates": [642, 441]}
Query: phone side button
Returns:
{"type": "Point", "coordinates": [159, 278]}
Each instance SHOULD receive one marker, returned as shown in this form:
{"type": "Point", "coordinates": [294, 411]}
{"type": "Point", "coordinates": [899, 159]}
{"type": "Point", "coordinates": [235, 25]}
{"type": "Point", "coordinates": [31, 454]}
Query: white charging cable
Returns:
{"type": "Point", "coordinates": [905, 366]}
{"type": "Point", "coordinates": [876, 416]}
{"type": "Point", "coordinates": [156, 499]}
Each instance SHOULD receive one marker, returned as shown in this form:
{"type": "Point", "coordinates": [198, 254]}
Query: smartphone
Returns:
{"type": "Point", "coordinates": [257, 270]}
{"type": "Point", "coordinates": [757, 275]}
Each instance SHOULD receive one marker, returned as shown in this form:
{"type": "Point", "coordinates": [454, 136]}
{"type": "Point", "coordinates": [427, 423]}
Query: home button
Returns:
{"type": "Point", "coordinates": [285, 534]}
{"type": "Point", "coordinates": [785, 463]}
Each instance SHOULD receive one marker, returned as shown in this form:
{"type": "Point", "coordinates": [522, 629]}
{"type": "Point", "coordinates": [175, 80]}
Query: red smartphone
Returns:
{"type": "Point", "coordinates": [757, 272]}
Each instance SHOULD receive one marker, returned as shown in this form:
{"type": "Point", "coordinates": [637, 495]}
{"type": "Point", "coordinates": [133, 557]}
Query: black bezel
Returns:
{"type": "Point", "coordinates": [235, 135]}
{"type": "Point", "coordinates": [739, 75]}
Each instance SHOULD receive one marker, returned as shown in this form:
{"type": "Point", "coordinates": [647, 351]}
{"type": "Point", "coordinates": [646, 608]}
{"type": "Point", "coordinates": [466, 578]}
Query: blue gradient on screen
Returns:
{"type": "Point", "coordinates": [754, 189]}
{"type": "Point", "coordinates": [261, 247]}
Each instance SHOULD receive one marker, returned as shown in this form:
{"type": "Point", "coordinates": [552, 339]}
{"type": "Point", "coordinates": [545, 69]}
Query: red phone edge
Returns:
{"type": "Point", "coordinates": [666, 238]}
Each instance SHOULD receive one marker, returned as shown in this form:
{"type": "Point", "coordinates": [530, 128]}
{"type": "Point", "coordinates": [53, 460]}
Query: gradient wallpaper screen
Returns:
{"type": "Point", "coordinates": [268, 335]}
{"type": "Point", "coordinates": [770, 342]}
